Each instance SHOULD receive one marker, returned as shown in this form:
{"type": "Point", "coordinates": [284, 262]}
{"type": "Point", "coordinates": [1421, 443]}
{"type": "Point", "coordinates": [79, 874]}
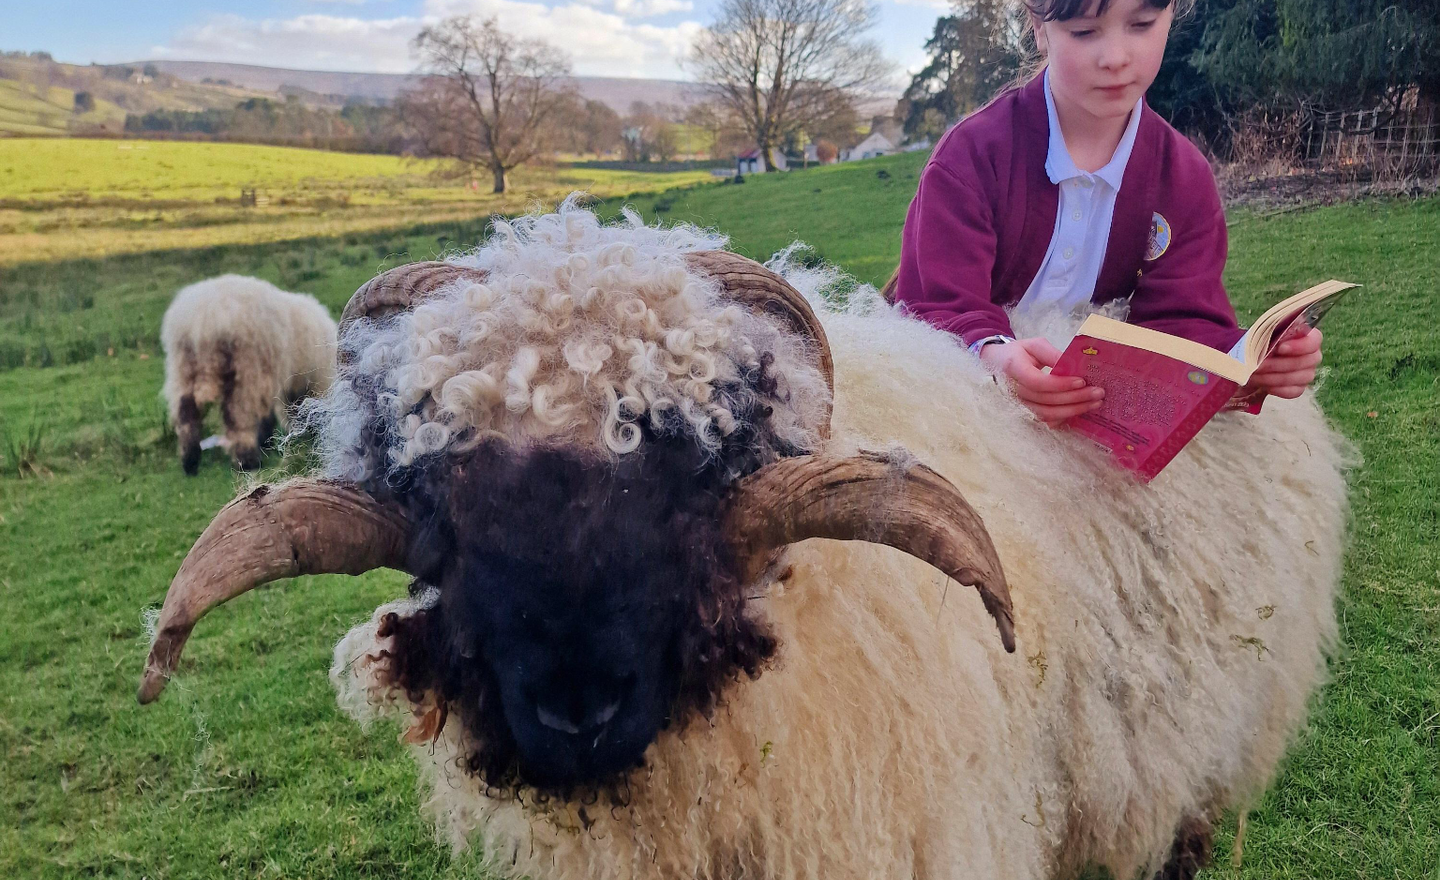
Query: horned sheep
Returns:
{"type": "Point", "coordinates": [250, 347]}
{"type": "Point", "coordinates": [600, 451]}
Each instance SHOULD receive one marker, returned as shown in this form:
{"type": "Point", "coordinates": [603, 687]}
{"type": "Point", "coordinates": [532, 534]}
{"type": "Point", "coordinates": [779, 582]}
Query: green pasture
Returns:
{"type": "Point", "coordinates": [247, 769]}
{"type": "Point", "coordinates": [60, 197]}
{"type": "Point", "coordinates": [77, 170]}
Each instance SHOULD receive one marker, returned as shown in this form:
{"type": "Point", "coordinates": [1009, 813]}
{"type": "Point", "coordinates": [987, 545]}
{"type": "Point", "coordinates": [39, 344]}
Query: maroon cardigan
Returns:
{"type": "Point", "coordinates": [984, 215]}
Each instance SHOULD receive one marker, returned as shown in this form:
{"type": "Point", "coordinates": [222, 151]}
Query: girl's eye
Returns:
{"type": "Point", "coordinates": [1081, 34]}
{"type": "Point", "coordinates": [1144, 25]}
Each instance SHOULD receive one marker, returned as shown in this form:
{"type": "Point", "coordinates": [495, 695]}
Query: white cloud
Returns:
{"type": "Point", "coordinates": [599, 43]}
{"type": "Point", "coordinates": [651, 8]}
{"type": "Point", "coordinates": [315, 42]}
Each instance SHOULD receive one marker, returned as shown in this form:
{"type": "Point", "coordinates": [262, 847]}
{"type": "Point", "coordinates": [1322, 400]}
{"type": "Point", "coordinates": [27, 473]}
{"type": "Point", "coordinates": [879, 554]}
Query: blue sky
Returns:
{"type": "Point", "coordinates": [604, 37]}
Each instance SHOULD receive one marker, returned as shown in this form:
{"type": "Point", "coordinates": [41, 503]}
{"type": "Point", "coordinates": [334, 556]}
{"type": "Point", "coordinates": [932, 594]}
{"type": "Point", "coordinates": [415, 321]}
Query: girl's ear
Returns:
{"type": "Point", "coordinates": [1037, 27]}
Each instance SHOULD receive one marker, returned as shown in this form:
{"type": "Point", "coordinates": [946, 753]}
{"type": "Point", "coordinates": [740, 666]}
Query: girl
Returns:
{"type": "Point", "coordinates": [1069, 190]}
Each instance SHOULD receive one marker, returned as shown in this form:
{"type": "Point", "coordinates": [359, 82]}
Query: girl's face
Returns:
{"type": "Point", "coordinates": [1102, 64]}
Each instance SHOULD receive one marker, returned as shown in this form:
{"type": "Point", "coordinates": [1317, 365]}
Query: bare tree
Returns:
{"type": "Point", "coordinates": [490, 98]}
{"type": "Point", "coordinates": [650, 132]}
{"type": "Point", "coordinates": [780, 66]}
{"type": "Point", "coordinates": [598, 130]}
{"type": "Point", "coordinates": [721, 129]}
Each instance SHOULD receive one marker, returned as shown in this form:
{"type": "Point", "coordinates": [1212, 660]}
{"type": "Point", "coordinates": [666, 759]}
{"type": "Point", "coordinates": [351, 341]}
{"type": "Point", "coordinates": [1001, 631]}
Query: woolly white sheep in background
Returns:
{"type": "Point", "coordinates": [1169, 635]}
{"type": "Point", "coordinates": [250, 347]}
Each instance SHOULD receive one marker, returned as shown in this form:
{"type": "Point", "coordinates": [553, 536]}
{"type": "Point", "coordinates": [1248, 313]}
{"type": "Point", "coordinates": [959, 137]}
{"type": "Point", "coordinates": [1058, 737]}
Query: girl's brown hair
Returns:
{"type": "Point", "coordinates": [1064, 10]}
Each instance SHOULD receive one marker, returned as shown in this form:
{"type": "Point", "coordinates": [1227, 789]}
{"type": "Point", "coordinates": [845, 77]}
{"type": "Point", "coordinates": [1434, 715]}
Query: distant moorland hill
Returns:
{"type": "Point", "coordinates": [40, 96]}
{"type": "Point", "coordinates": [618, 92]}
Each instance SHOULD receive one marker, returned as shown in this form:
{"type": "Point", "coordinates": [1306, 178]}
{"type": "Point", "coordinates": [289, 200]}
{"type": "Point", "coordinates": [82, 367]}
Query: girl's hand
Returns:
{"type": "Point", "coordinates": [1052, 398]}
{"type": "Point", "coordinates": [1290, 367]}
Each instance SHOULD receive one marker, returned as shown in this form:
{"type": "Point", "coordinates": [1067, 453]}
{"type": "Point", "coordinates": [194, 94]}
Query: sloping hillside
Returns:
{"type": "Point", "coordinates": [38, 96]}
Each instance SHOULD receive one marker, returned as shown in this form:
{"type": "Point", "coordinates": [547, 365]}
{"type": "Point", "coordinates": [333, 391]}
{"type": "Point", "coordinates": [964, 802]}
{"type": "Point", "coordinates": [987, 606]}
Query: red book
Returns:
{"type": "Point", "coordinates": [1160, 390]}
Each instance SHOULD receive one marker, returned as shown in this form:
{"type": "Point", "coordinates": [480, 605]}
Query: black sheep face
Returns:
{"type": "Point", "coordinates": [584, 607]}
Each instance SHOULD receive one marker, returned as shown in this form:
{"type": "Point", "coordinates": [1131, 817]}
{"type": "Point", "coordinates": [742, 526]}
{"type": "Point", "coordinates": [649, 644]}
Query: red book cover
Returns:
{"type": "Point", "coordinates": [1154, 404]}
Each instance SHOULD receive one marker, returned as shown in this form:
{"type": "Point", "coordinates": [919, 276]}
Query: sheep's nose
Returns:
{"type": "Point", "coordinates": [583, 711]}
{"type": "Point", "coordinates": [574, 723]}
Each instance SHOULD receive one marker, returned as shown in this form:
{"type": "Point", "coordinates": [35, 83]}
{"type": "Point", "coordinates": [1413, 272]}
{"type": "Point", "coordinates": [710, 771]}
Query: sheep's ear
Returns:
{"type": "Point", "coordinates": [883, 498]}
{"type": "Point", "coordinates": [304, 527]}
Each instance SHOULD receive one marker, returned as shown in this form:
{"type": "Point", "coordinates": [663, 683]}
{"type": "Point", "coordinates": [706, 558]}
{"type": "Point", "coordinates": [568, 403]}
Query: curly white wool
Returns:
{"type": "Point", "coordinates": [581, 332]}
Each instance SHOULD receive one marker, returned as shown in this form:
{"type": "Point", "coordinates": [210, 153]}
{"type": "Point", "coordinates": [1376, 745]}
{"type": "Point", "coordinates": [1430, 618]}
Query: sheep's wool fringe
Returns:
{"type": "Point", "coordinates": [581, 332]}
{"type": "Point", "coordinates": [277, 343]}
{"type": "Point", "coordinates": [1169, 637]}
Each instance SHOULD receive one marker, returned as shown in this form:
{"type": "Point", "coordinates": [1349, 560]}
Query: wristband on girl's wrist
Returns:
{"type": "Point", "coordinates": [981, 343]}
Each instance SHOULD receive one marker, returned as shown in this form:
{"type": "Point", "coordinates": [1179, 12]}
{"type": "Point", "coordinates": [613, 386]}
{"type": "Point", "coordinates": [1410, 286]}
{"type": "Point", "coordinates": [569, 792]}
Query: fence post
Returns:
{"type": "Point", "coordinates": [1371, 143]}
{"type": "Point", "coordinates": [1404, 145]}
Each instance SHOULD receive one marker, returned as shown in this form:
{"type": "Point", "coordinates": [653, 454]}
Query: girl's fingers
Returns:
{"type": "Point", "coordinates": [1301, 344]}
{"type": "Point", "coordinates": [1027, 375]}
{"type": "Point", "coordinates": [1283, 380]}
{"type": "Point", "coordinates": [1274, 364]}
{"type": "Point", "coordinates": [1053, 414]}
{"type": "Point", "coordinates": [1289, 392]}
{"type": "Point", "coordinates": [1059, 398]}
{"type": "Point", "coordinates": [1042, 351]}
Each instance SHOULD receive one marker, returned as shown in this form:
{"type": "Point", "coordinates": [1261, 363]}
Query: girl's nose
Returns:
{"type": "Point", "coordinates": [1114, 55]}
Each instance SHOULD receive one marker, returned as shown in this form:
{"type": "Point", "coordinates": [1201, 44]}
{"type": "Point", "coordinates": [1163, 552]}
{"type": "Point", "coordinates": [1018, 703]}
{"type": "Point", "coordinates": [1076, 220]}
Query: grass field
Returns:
{"type": "Point", "coordinates": [62, 197]}
{"type": "Point", "coordinates": [247, 769]}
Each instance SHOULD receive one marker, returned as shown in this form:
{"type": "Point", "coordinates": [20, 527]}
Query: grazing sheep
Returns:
{"type": "Point", "coordinates": [251, 347]}
{"type": "Point", "coordinates": [600, 452]}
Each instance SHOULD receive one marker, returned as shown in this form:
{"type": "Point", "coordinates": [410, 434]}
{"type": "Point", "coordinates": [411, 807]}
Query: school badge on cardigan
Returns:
{"type": "Point", "coordinates": [1159, 237]}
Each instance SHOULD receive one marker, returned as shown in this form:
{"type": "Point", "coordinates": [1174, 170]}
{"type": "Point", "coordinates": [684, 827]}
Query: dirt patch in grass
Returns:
{"type": "Point", "coordinates": [1267, 188]}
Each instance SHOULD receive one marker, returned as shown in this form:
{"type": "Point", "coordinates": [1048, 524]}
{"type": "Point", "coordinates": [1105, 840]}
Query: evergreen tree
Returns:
{"type": "Point", "coordinates": [1326, 54]}
{"type": "Point", "coordinates": [974, 53]}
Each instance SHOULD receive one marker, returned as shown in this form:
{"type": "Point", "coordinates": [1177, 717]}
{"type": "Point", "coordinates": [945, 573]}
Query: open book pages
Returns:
{"type": "Point", "coordinates": [1308, 305]}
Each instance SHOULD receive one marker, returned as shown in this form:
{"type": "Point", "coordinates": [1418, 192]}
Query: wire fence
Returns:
{"type": "Point", "coordinates": [1384, 142]}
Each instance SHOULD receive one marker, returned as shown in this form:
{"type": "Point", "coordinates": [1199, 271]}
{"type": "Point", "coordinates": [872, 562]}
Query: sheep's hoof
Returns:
{"type": "Point", "coordinates": [190, 460]}
{"type": "Point", "coordinates": [249, 460]}
{"type": "Point", "coordinates": [267, 431]}
{"type": "Point", "coordinates": [1190, 853]}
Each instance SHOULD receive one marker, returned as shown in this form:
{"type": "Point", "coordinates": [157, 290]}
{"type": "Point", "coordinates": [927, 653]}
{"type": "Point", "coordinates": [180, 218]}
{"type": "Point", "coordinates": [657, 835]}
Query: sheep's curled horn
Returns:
{"type": "Point", "coordinates": [313, 526]}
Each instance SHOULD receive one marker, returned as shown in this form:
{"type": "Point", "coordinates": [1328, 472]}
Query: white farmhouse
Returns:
{"type": "Point", "coordinates": [749, 162]}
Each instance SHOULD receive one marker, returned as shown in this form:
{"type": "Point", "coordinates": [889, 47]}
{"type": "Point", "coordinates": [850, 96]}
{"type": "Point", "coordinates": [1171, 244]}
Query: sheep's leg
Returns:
{"type": "Point", "coordinates": [267, 431]}
{"type": "Point", "coordinates": [245, 402]}
{"type": "Point", "coordinates": [1190, 852]}
{"type": "Point", "coordinates": [187, 430]}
